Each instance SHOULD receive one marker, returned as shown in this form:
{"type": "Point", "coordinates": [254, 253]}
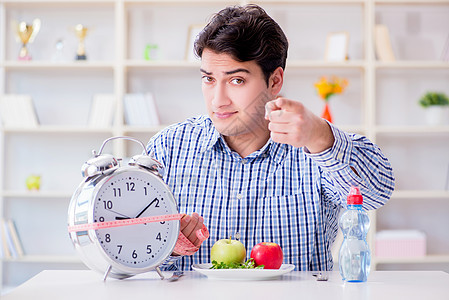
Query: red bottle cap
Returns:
{"type": "Point", "coordinates": [354, 197]}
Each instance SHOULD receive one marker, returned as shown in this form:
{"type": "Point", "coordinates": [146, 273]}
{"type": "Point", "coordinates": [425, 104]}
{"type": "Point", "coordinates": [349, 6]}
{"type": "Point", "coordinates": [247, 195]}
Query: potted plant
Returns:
{"type": "Point", "coordinates": [436, 106]}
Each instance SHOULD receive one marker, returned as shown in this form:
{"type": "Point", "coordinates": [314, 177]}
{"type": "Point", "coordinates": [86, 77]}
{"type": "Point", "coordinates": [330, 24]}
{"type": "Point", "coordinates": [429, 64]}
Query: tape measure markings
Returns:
{"type": "Point", "coordinates": [126, 222]}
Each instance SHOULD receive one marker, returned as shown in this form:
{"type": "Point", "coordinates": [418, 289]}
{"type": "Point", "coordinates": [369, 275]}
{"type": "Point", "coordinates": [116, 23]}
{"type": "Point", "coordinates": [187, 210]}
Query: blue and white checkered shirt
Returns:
{"type": "Point", "coordinates": [278, 194]}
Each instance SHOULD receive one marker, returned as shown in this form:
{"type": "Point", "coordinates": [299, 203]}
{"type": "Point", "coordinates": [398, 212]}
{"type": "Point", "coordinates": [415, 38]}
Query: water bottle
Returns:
{"type": "Point", "coordinates": [355, 256]}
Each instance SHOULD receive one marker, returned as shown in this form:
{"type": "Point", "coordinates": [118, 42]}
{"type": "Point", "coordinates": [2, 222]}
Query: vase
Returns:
{"type": "Point", "coordinates": [437, 115]}
{"type": "Point", "coordinates": [326, 112]}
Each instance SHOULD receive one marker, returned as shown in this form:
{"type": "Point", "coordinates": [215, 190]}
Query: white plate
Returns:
{"type": "Point", "coordinates": [242, 274]}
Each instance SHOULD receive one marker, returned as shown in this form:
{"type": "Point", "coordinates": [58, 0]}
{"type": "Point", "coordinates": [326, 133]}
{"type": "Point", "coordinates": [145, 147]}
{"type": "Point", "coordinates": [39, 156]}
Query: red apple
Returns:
{"type": "Point", "coordinates": [267, 254]}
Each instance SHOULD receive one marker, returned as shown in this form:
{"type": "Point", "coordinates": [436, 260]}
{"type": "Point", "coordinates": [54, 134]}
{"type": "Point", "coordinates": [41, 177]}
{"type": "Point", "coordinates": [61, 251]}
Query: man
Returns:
{"type": "Point", "coordinates": [260, 165]}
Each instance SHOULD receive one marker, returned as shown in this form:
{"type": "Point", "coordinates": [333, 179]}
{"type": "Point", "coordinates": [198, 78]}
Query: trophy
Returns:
{"type": "Point", "coordinates": [81, 32]}
{"type": "Point", "coordinates": [26, 34]}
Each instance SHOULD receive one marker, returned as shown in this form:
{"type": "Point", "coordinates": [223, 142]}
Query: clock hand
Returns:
{"type": "Point", "coordinates": [124, 216]}
{"type": "Point", "coordinates": [155, 199]}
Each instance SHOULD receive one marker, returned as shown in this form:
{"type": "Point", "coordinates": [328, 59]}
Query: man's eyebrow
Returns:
{"type": "Point", "coordinates": [236, 71]}
{"type": "Point", "coordinates": [227, 72]}
{"type": "Point", "coordinates": [205, 72]}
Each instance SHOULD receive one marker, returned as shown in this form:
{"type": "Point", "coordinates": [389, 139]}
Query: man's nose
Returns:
{"type": "Point", "coordinates": [220, 95]}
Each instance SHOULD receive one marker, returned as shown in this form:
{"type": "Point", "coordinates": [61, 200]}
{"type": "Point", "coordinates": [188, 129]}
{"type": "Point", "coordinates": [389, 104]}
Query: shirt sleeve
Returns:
{"type": "Point", "coordinates": [352, 152]}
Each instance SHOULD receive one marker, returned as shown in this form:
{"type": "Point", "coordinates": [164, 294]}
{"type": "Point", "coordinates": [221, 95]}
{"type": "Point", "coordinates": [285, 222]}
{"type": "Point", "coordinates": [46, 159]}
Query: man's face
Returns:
{"type": "Point", "coordinates": [235, 94]}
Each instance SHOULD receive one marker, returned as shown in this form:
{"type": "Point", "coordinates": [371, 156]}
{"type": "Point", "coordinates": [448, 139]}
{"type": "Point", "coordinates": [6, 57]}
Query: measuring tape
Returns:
{"type": "Point", "coordinates": [183, 245]}
{"type": "Point", "coordinates": [126, 222]}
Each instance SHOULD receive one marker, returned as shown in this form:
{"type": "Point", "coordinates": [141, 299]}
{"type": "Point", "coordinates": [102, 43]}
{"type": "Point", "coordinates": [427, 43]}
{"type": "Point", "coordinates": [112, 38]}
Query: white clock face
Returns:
{"type": "Point", "coordinates": [135, 194]}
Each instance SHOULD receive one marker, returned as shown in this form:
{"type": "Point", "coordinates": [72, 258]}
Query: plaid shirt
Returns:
{"type": "Point", "coordinates": [278, 194]}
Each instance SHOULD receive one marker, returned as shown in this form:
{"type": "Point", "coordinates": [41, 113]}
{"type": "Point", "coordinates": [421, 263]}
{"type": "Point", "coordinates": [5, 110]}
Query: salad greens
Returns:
{"type": "Point", "coordinates": [249, 264]}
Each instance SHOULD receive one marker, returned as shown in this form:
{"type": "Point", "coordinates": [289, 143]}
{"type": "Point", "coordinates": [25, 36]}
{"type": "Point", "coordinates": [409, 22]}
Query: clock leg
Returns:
{"type": "Point", "coordinates": [159, 272]}
{"type": "Point", "coordinates": [107, 273]}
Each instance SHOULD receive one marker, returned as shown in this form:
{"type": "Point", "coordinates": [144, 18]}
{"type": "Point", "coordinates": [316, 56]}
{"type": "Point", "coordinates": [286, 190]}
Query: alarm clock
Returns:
{"type": "Point", "coordinates": [123, 219]}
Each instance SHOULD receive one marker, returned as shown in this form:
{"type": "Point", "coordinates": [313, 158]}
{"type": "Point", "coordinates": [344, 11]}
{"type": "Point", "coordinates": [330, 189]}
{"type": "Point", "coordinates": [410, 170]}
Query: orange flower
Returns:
{"type": "Point", "coordinates": [327, 88]}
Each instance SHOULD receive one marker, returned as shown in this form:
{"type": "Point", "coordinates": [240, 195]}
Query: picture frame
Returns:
{"type": "Point", "coordinates": [382, 43]}
{"type": "Point", "coordinates": [193, 32]}
{"type": "Point", "coordinates": [337, 46]}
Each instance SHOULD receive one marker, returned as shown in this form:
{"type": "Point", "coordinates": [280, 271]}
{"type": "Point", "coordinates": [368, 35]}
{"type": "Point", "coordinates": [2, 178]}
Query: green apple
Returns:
{"type": "Point", "coordinates": [33, 182]}
{"type": "Point", "coordinates": [228, 251]}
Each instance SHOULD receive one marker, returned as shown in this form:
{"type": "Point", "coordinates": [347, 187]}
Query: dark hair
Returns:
{"type": "Point", "coordinates": [246, 33]}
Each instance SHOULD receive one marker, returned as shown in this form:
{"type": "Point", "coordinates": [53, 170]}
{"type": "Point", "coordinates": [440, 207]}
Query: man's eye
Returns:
{"type": "Point", "coordinates": [207, 79]}
{"type": "Point", "coordinates": [237, 81]}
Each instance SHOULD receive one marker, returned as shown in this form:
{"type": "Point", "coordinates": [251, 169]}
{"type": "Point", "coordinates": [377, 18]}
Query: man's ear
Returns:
{"type": "Point", "coordinates": [276, 81]}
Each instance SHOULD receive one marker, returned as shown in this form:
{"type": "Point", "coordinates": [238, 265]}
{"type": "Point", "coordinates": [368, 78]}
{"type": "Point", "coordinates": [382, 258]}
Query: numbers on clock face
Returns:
{"type": "Point", "coordinates": [131, 195]}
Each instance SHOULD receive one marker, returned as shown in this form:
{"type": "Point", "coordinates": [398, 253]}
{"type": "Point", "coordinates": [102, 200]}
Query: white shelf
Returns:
{"type": "Point", "coordinates": [37, 194]}
{"type": "Point", "coordinates": [30, 65]}
{"type": "Point", "coordinates": [413, 65]}
{"type": "Point", "coordinates": [56, 259]}
{"type": "Point", "coordinates": [161, 64]}
{"type": "Point", "coordinates": [411, 129]}
{"type": "Point", "coordinates": [413, 260]}
{"type": "Point", "coordinates": [58, 129]}
{"type": "Point", "coordinates": [177, 1]}
{"type": "Point", "coordinates": [328, 2]}
{"type": "Point", "coordinates": [411, 2]}
{"type": "Point", "coordinates": [420, 194]}
{"type": "Point", "coordinates": [138, 129]}
{"type": "Point", "coordinates": [13, 2]}
{"type": "Point", "coordinates": [326, 64]}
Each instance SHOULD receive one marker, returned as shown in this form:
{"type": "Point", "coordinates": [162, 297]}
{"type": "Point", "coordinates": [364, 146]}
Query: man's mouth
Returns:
{"type": "Point", "coordinates": [224, 115]}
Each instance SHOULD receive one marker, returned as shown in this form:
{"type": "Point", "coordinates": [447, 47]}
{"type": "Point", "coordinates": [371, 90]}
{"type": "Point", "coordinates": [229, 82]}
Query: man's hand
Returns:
{"type": "Point", "coordinates": [189, 226]}
{"type": "Point", "coordinates": [292, 123]}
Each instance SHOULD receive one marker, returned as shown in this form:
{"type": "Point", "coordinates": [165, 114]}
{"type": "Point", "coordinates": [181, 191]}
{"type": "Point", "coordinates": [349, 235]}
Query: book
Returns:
{"type": "Point", "coordinates": [8, 245]}
{"type": "Point", "coordinates": [11, 226]}
{"type": "Point", "coordinates": [4, 243]}
{"type": "Point", "coordinates": [141, 110]}
{"type": "Point", "coordinates": [152, 110]}
{"type": "Point", "coordinates": [8, 111]}
{"type": "Point", "coordinates": [102, 111]}
{"type": "Point", "coordinates": [384, 49]}
{"type": "Point", "coordinates": [18, 111]}
{"type": "Point", "coordinates": [131, 110]}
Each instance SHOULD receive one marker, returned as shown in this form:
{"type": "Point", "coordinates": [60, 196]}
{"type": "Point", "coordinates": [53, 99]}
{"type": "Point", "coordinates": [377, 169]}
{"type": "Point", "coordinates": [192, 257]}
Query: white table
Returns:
{"type": "Point", "coordinates": [75, 284]}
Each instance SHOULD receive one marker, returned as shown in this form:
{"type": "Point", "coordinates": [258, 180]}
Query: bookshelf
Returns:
{"type": "Point", "coordinates": [380, 102]}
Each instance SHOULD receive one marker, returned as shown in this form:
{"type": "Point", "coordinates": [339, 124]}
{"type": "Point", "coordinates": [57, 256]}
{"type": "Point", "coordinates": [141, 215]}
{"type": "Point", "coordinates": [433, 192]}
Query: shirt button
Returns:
{"type": "Point", "coordinates": [239, 196]}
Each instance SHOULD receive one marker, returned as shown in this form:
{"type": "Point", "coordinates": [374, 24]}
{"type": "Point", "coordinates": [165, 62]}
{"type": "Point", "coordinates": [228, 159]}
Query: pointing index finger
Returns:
{"type": "Point", "coordinates": [269, 107]}
{"type": "Point", "coordinates": [289, 105]}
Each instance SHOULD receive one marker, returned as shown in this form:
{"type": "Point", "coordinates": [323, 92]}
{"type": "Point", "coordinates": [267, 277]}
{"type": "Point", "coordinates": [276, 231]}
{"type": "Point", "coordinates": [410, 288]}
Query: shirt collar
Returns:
{"type": "Point", "coordinates": [211, 137]}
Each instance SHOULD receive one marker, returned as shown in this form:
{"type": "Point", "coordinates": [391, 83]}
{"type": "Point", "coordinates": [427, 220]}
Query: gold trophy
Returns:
{"type": "Point", "coordinates": [81, 32]}
{"type": "Point", "coordinates": [26, 34]}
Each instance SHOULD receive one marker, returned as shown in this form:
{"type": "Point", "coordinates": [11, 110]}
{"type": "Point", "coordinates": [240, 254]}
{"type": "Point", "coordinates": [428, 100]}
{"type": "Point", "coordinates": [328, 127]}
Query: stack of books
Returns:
{"type": "Point", "coordinates": [102, 111]}
{"type": "Point", "coordinates": [140, 110]}
{"type": "Point", "coordinates": [11, 246]}
{"type": "Point", "coordinates": [17, 111]}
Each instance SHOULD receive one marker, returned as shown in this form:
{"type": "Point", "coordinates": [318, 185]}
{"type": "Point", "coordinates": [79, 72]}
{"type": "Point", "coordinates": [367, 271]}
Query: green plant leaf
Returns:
{"type": "Point", "coordinates": [249, 264]}
{"type": "Point", "coordinates": [433, 98]}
